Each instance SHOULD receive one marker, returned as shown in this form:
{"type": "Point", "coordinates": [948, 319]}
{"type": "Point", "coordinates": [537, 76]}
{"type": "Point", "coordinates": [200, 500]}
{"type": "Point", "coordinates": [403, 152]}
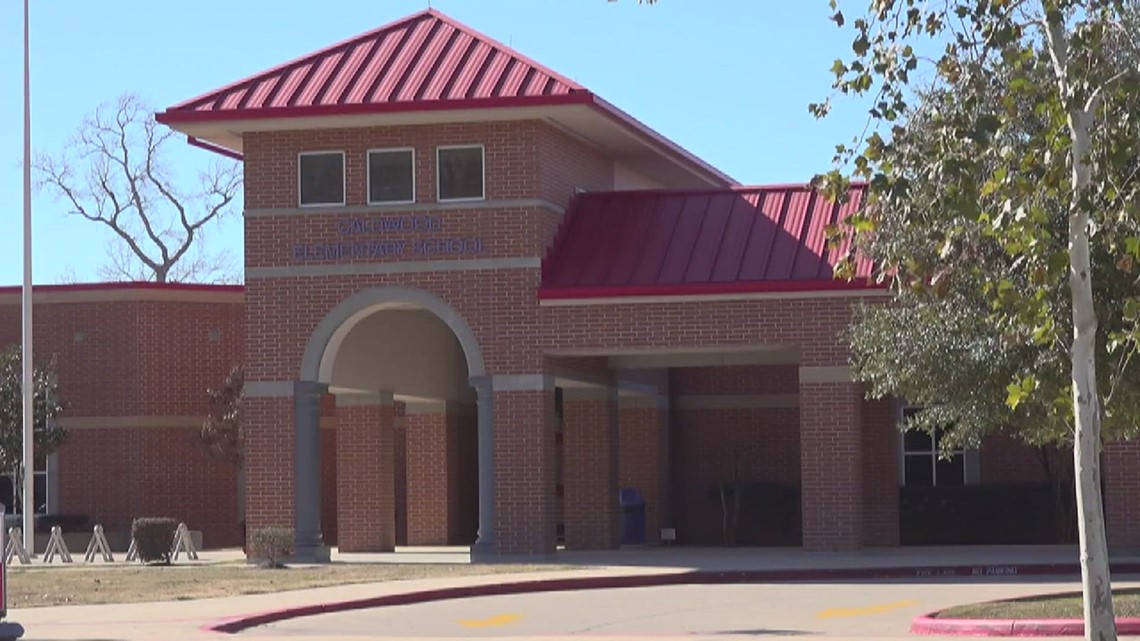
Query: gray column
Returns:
{"type": "Point", "coordinates": [309, 546]}
{"type": "Point", "coordinates": [485, 544]}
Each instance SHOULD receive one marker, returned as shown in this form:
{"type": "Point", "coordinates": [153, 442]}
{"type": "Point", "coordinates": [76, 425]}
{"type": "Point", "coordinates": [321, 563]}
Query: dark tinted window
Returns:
{"type": "Point", "coordinates": [461, 173]}
{"type": "Point", "coordinates": [952, 472]}
{"type": "Point", "coordinates": [391, 176]}
{"type": "Point", "coordinates": [322, 178]}
{"type": "Point", "coordinates": [919, 471]}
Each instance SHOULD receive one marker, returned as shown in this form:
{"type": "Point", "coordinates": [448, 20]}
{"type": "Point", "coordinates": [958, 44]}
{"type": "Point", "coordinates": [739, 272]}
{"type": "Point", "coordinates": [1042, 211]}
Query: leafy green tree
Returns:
{"type": "Point", "coordinates": [47, 406]}
{"type": "Point", "coordinates": [1001, 162]}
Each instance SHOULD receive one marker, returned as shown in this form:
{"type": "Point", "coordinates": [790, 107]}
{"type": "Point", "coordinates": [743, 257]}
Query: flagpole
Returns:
{"type": "Point", "coordinates": [26, 354]}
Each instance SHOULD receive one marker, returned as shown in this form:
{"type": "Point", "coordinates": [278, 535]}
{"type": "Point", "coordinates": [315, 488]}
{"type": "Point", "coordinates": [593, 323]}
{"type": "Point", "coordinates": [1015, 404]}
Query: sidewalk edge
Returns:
{"type": "Point", "coordinates": [681, 577]}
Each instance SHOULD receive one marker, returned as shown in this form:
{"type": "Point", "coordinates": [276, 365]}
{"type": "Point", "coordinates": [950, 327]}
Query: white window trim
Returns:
{"type": "Point", "coordinates": [368, 176]}
{"type": "Point", "coordinates": [483, 160]}
{"type": "Point", "coordinates": [343, 178]}
{"type": "Point", "coordinates": [971, 461]}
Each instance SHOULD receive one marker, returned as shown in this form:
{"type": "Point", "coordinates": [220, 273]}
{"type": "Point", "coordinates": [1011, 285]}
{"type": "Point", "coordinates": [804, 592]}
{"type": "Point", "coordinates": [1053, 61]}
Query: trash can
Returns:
{"type": "Point", "coordinates": [632, 516]}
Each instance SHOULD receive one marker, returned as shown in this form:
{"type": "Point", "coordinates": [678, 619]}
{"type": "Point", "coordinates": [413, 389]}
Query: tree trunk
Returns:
{"type": "Point", "coordinates": [1096, 586]}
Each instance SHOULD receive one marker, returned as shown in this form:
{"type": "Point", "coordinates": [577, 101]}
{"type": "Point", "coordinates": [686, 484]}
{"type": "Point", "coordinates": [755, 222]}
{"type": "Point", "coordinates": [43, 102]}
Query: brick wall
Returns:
{"type": "Point", "coordinates": [432, 477]}
{"type": "Point", "coordinates": [134, 363]}
{"type": "Point", "coordinates": [1005, 459]}
{"type": "Point", "coordinates": [1121, 478]}
{"type": "Point", "coordinates": [714, 446]}
{"type": "Point", "coordinates": [524, 472]}
{"type": "Point", "coordinates": [590, 456]}
{"type": "Point", "coordinates": [643, 445]}
{"type": "Point", "coordinates": [832, 463]}
{"type": "Point", "coordinates": [880, 472]}
{"type": "Point", "coordinates": [366, 476]}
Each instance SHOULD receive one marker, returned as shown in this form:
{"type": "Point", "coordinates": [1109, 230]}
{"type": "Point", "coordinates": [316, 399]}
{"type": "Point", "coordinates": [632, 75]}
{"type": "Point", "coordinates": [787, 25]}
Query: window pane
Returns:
{"type": "Point", "coordinates": [40, 494]}
{"type": "Point", "coordinates": [322, 179]}
{"type": "Point", "coordinates": [917, 441]}
{"type": "Point", "coordinates": [7, 494]}
{"type": "Point", "coordinates": [390, 177]}
{"type": "Point", "coordinates": [919, 471]}
{"type": "Point", "coordinates": [952, 472]}
{"type": "Point", "coordinates": [461, 173]}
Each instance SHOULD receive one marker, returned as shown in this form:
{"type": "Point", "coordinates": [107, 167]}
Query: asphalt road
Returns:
{"type": "Point", "coordinates": [723, 612]}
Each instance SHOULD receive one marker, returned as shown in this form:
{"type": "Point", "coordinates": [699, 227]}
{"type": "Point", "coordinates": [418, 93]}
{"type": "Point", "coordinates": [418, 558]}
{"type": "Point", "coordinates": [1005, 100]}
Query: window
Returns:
{"type": "Point", "coordinates": [391, 176]}
{"type": "Point", "coordinates": [321, 178]}
{"type": "Point", "coordinates": [39, 492]}
{"type": "Point", "coordinates": [922, 464]}
{"type": "Point", "coordinates": [460, 173]}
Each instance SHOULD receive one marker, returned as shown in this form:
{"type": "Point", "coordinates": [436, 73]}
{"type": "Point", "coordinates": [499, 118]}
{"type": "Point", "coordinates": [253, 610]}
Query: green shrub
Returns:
{"type": "Point", "coordinates": [154, 538]}
{"type": "Point", "coordinates": [272, 545]}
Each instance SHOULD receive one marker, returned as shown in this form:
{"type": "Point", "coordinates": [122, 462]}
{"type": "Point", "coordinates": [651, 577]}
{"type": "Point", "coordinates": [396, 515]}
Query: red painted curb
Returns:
{"type": "Point", "coordinates": [931, 624]}
{"type": "Point", "coordinates": [698, 577]}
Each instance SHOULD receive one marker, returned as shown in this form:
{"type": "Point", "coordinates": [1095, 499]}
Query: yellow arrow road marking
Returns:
{"type": "Point", "coordinates": [835, 613]}
{"type": "Point", "coordinates": [502, 619]}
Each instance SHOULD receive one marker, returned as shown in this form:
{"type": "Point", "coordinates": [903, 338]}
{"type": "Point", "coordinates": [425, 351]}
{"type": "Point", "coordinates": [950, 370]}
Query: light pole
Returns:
{"type": "Point", "coordinates": [26, 349]}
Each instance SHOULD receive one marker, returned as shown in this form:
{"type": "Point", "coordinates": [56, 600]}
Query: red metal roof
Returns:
{"type": "Point", "coordinates": [750, 239]}
{"type": "Point", "coordinates": [426, 57]}
{"type": "Point", "coordinates": [424, 62]}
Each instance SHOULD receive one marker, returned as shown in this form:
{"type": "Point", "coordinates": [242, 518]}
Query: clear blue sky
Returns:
{"type": "Point", "coordinates": [728, 79]}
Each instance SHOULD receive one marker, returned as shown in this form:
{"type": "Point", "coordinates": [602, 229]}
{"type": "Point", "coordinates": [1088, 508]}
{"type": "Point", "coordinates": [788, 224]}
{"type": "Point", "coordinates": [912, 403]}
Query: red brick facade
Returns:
{"type": "Point", "coordinates": [133, 363]}
{"type": "Point", "coordinates": [366, 477]}
{"type": "Point", "coordinates": [694, 400]}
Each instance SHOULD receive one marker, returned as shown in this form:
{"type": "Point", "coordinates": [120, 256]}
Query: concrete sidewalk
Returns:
{"type": "Point", "coordinates": [185, 619]}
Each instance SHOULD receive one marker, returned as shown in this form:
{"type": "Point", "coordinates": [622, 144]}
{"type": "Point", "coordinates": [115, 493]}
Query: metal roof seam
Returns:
{"type": "Point", "coordinates": [761, 199]}
{"type": "Point", "coordinates": [362, 66]}
{"type": "Point", "coordinates": [672, 237]}
{"type": "Point", "coordinates": [804, 231]}
{"type": "Point", "coordinates": [693, 246]}
{"type": "Point", "coordinates": [386, 65]}
{"type": "Point", "coordinates": [720, 243]}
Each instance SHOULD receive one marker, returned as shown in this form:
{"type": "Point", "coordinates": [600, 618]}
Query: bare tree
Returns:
{"type": "Point", "coordinates": [113, 173]}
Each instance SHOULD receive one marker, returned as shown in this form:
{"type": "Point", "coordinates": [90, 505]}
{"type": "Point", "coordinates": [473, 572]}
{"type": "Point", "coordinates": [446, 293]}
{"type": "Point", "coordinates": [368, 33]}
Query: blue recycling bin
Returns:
{"type": "Point", "coordinates": [632, 516]}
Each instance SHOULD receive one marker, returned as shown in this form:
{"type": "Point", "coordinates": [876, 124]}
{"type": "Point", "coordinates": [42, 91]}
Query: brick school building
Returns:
{"type": "Point", "coordinates": [484, 306]}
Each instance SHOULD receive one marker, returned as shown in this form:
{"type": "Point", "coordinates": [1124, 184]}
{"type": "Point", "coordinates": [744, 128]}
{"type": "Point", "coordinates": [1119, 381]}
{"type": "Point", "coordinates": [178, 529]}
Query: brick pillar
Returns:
{"type": "Point", "coordinates": [269, 448]}
{"type": "Point", "coordinates": [644, 457]}
{"type": "Point", "coordinates": [880, 472]}
{"type": "Point", "coordinates": [831, 460]}
{"type": "Point", "coordinates": [366, 473]}
{"type": "Point", "coordinates": [523, 440]}
{"type": "Point", "coordinates": [590, 469]}
{"type": "Point", "coordinates": [1121, 480]}
{"type": "Point", "coordinates": [432, 473]}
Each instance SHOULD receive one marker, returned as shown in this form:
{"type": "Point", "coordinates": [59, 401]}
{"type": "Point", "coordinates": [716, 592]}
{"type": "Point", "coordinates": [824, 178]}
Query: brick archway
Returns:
{"type": "Point", "coordinates": [379, 436]}
{"type": "Point", "coordinates": [316, 365]}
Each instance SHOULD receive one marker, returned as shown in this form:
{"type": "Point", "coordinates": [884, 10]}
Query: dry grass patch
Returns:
{"type": "Point", "coordinates": [1050, 606]}
{"type": "Point", "coordinates": [30, 587]}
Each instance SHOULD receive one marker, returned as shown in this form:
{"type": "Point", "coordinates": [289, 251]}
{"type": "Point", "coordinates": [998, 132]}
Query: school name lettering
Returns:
{"type": "Point", "coordinates": [350, 245]}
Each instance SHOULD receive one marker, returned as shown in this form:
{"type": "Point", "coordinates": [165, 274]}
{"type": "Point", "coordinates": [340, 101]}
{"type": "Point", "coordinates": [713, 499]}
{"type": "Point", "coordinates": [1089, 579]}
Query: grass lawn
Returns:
{"type": "Point", "coordinates": [82, 585]}
{"type": "Point", "coordinates": [1126, 603]}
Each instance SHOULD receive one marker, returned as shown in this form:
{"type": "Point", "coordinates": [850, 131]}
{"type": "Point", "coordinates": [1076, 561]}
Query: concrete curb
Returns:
{"type": "Point", "coordinates": [681, 577]}
{"type": "Point", "coordinates": [931, 624]}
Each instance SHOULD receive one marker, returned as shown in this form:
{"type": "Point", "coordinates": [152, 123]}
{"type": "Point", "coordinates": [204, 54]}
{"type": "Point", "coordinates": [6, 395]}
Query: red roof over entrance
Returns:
{"type": "Point", "coordinates": [752, 239]}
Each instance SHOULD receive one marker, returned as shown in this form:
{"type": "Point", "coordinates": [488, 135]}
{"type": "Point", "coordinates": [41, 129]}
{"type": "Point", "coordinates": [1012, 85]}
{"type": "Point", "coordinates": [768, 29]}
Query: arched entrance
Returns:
{"type": "Point", "coordinates": [401, 460]}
